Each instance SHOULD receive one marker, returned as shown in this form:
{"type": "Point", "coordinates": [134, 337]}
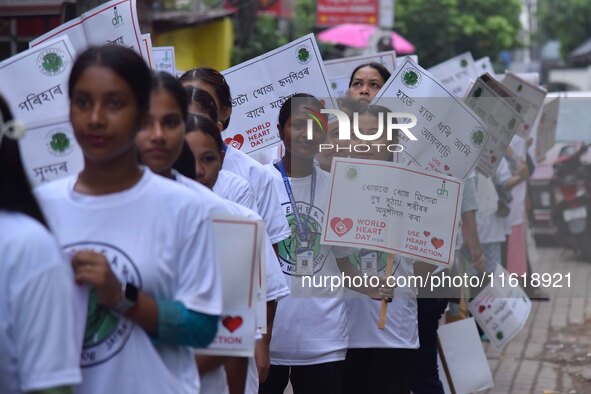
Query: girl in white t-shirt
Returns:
{"type": "Point", "coordinates": [378, 361]}
{"type": "Point", "coordinates": [310, 335]}
{"type": "Point", "coordinates": [142, 245]}
{"type": "Point", "coordinates": [37, 312]}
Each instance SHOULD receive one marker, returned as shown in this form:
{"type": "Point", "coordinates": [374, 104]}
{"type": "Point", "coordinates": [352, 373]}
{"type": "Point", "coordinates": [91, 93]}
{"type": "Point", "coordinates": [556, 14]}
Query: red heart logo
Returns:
{"type": "Point", "coordinates": [426, 233]}
{"type": "Point", "coordinates": [341, 226]}
{"type": "Point", "coordinates": [481, 308]}
{"type": "Point", "coordinates": [493, 159]}
{"type": "Point", "coordinates": [232, 323]}
{"type": "Point", "coordinates": [437, 242]}
{"type": "Point", "coordinates": [235, 142]}
{"type": "Point", "coordinates": [446, 167]}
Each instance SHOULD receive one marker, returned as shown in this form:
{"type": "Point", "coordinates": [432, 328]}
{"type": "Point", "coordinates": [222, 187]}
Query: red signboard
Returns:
{"type": "Point", "coordinates": [336, 12]}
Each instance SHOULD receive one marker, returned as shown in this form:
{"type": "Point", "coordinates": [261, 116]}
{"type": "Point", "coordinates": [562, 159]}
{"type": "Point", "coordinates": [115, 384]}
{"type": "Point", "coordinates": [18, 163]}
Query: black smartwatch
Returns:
{"type": "Point", "coordinates": [129, 295]}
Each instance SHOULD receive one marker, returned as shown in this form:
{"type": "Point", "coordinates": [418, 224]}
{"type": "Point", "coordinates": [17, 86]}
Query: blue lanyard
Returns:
{"type": "Point", "coordinates": [302, 230]}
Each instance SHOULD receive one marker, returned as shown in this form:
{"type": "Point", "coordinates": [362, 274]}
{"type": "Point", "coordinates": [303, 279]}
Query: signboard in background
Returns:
{"type": "Point", "coordinates": [164, 59]}
{"type": "Point", "coordinates": [339, 70]}
{"type": "Point", "coordinates": [50, 152]}
{"type": "Point", "coordinates": [239, 269]}
{"type": "Point", "coordinates": [496, 106]}
{"type": "Point", "coordinates": [397, 210]}
{"type": "Point", "coordinates": [501, 308]}
{"type": "Point", "coordinates": [450, 137]}
{"type": "Point", "coordinates": [456, 73]}
{"type": "Point", "coordinates": [546, 134]}
{"type": "Point", "coordinates": [530, 97]}
{"type": "Point", "coordinates": [336, 12]}
{"type": "Point", "coordinates": [261, 85]}
{"type": "Point", "coordinates": [115, 22]}
{"type": "Point", "coordinates": [484, 65]}
{"type": "Point", "coordinates": [147, 49]}
{"type": "Point", "coordinates": [38, 81]}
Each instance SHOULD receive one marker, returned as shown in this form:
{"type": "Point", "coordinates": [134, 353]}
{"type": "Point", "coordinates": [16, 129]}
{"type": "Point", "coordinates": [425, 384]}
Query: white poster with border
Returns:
{"type": "Point", "coordinates": [456, 73]}
{"type": "Point", "coordinates": [50, 152]}
{"type": "Point", "coordinates": [530, 97]}
{"type": "Point", "coordinates": [339, 70]}
{"type": "Point", "coordinates": [36, 82]}
{"type": "Point", "coordinates": [501, 308]}
{"type": "Point", "coordinates": [164, 59]}
{"type": "Point", "coordinates": [115, 22]}
{"type": "Point", "coordinates": [261, 85]}
{"type": "Point", "coordinates": [147, 50]}
{"type": "Point", "coordinates": [484, 65]}
{"type": "Point", "coordinates": [240, 279]}
{"type": "Point", "coordinates": [546, 133]}
{"type": "Point", "coordinates": [496, 106]}
{"type": "Point", "coordinates": [397, 210]}
{"type": "Point", "coordinates": [450, 136]}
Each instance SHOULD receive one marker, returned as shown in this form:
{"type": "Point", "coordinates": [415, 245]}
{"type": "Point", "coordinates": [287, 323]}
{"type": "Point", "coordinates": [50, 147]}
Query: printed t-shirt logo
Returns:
{"type": "Point", "coordinates": [288, 247]}
{"type": "Point", "coordinates": [106, 332]}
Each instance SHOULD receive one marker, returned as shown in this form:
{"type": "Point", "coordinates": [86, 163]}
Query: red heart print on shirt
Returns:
{"type": "Point", "coordinates": [437, 242]}
{"type": "Point", "coordinates": [232, 323]}
{"type": "Point", "coordinates": [235, 142]}
{"type": "Point", "coordinates": [341, 226]}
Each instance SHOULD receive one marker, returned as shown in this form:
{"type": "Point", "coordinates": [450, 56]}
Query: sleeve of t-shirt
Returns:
{"type": "Point", "coordinates": [247, 198]}
{"type": "Point", "coordinates": [276, 286]}
{"type": "Point", "coordinates": [46, 336]}
{"type": "Point", "coordinates": [199, 285]}
{"type": "Point", "coordinates": [270, 209]}
{"type": "Point", "coordinates": [469, 200]}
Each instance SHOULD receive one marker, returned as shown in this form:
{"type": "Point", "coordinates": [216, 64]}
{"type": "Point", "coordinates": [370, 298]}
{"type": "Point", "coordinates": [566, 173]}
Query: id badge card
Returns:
{"type": "Point", "coordinates": [305, 262]}
{"type": "Point", "coordinates": [369, 263]}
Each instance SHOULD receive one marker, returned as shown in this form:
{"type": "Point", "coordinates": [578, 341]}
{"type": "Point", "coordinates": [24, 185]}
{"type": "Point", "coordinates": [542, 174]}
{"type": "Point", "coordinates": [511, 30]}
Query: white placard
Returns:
{"type": "Point", "coordinates": [147, 50]}
{"type": "Point", "coordinates": [456, 73]}
{"type": "Point", "coordinates": [261, 85]}
{"type": "Point", "coordinates": [501, 309]}
{"type": "Point", "coordinates": [496, 107]}
{"type": "Point", "coordinates": [530, 97]}
{"type": "Point", "coordinates": [164, 59]}
{"type": "Point", "coordinates": [114, 22]}
{"type": "Point", "coordinates": [36, 82]}
{"type": "Point", "coordinates": [397, 210]}
{"type": "Point", "coordinates": [484, 65]}
{"type": "Point", "coordinates": [450, 137]}
{"type": "Point", "coordinates": [465, 357]}
{"type": "Point", "coordinates": [239, 270]}
{"type": "Point", "coordinates": [546, 134]}
{"type": "Point", "coordinates": [50, 152]}
{"type": "Point", "coordinates": [339, 70]}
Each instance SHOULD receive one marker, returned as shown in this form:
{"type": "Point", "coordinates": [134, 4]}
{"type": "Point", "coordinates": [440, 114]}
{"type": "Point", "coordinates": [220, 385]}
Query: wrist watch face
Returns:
{"type": "Point", "coordinates": [128, 299]}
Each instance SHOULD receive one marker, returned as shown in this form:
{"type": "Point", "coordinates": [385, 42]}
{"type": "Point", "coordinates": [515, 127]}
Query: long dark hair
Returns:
{"type": "Point", "coordinates": [217, 81]}
{"type": "Point", "coordinates": [15, 189]}
{"type": "Point", "coordinates": [124, 62]}
{"type": "Point", "coordinates": [204, 100]}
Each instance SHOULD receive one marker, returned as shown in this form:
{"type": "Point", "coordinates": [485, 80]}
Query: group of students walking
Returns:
{"type": "Point", "coordinates": [109, 279]}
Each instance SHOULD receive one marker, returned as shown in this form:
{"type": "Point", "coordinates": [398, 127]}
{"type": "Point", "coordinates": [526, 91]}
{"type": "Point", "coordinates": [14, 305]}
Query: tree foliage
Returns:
{"type": "Point", "coordinates": [565, 20]}
{"type": "Point", "coordinates": [265, 38]}
{"type": "Point", "coordinates": [440, 29]}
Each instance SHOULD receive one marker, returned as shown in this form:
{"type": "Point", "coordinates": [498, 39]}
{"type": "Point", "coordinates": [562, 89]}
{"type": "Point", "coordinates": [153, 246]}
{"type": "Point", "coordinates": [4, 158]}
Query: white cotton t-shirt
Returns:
{"type": "Point", "coordinates": [39, 339]}
{"type": "Point", "coordinates": [157, 236]}
{"type": "Point", "coordinates": [230, 186]}
{"type": "Point", "coordinates": [261, 183]}
{"type": "Point", "coordinates": [491, 227]}
{"type": "Point", "coordinates": [311, 323]}
{"type": "Point", "coordinates": [401, 330]}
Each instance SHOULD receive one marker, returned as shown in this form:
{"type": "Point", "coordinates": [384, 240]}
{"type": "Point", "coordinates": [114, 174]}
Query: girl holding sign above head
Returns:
{"type": "Point", "coordinates": [367, 80]}
{"type": "Point", "coordinates": [37, 293]}
{"type": "Point", "coordinates": [309, 341]}
{"type": "Point", "coordinates": [141, 245]}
